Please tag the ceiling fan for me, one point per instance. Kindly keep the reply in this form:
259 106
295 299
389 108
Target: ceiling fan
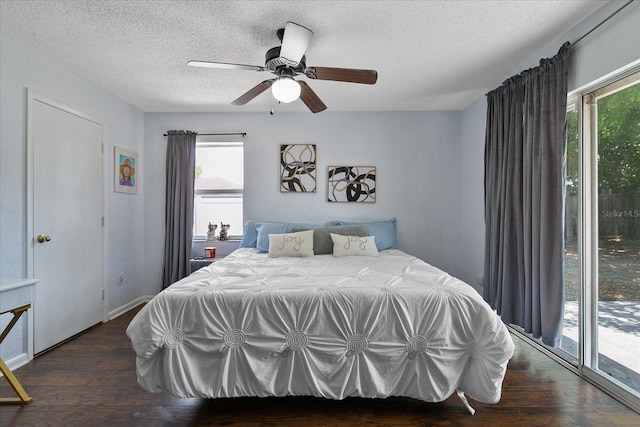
286 62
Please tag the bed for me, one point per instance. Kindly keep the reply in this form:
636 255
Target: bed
332 326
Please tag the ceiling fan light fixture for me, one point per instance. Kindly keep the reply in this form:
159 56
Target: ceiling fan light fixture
285 89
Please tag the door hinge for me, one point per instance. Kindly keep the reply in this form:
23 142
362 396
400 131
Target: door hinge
102 147
102 221
103 294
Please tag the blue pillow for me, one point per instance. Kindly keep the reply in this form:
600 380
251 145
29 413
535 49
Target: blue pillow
266 228
250 236
385 231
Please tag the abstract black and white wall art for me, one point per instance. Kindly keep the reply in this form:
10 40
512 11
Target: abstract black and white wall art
298 168
351 184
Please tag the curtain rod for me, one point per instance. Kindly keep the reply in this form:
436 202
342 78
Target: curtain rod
243 134
601 23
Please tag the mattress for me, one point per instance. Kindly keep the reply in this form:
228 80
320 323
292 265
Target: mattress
391 325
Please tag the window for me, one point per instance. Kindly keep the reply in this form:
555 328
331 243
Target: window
571 229
602 235
219 184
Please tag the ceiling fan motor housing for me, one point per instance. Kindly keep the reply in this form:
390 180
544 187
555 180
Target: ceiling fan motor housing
274 63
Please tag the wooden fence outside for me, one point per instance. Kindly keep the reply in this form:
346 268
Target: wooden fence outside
618 215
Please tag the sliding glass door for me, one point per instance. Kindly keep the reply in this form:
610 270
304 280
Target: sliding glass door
602 235
572 221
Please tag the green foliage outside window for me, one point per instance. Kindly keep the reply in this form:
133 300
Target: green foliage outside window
619 141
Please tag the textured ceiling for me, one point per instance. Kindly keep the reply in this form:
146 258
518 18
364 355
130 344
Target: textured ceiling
430 55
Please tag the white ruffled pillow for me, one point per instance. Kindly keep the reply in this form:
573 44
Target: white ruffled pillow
291 244
354 245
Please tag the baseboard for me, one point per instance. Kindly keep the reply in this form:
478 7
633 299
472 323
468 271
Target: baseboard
16 362
123 309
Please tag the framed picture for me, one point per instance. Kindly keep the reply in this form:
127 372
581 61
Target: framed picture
298 168
351 184
126 171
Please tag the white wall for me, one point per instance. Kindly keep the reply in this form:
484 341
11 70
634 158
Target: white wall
611 47
472 192
21 68
416 155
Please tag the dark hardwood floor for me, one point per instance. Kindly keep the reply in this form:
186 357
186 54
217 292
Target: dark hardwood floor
91 381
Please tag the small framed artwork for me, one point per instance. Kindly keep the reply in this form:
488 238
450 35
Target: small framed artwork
298 168
126 171
351 184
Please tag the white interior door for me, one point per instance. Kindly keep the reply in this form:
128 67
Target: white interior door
67 208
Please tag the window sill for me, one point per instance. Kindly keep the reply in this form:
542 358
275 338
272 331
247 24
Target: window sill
200 239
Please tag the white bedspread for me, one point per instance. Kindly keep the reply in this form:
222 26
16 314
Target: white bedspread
383 326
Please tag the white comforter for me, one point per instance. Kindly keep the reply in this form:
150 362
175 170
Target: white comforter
382 326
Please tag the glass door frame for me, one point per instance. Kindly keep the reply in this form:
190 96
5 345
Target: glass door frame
586 364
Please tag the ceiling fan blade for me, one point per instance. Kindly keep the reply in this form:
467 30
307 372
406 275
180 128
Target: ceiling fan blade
253 92
295 41
349 75
310 99
226 66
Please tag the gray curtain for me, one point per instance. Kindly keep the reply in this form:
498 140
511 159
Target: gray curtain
524 194
180 170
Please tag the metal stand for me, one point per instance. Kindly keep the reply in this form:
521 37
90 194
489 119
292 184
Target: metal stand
23 397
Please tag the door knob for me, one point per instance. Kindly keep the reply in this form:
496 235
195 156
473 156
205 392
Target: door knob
42 238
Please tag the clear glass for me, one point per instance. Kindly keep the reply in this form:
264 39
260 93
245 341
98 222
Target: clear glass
217 209
219 184
618 281
570 331
220 160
